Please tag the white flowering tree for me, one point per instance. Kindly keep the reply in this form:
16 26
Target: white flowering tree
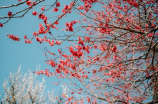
24 89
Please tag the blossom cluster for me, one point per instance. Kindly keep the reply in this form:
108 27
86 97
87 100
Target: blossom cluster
15 38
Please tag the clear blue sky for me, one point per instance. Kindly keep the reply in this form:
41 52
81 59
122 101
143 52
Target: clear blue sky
13 53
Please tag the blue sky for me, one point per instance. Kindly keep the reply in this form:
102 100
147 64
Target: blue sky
14 53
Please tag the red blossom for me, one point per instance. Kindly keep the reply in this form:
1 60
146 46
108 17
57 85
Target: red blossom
35 34
71 24
80 89
133 45
45 72
58 71
43 8
71 29
38 40
74 22
80 41
80 7
1 25
9 14
114 49
34 13
87 38
40 16
94 71
58 42
34 3
57 4
15 38
69 99
25 37
137 27
95 46
66 29
88 99
28 41
66 7
28 3
72 92
150 35
55 9
53 26
105 94
57 22
67 24
52 63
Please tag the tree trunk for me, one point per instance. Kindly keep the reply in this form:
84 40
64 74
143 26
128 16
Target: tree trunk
155 87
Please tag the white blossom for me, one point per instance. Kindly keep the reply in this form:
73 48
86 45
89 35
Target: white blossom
65 90
24 89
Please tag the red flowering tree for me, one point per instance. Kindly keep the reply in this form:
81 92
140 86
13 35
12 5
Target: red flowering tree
112 56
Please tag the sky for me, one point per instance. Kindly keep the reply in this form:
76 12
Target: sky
29 56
